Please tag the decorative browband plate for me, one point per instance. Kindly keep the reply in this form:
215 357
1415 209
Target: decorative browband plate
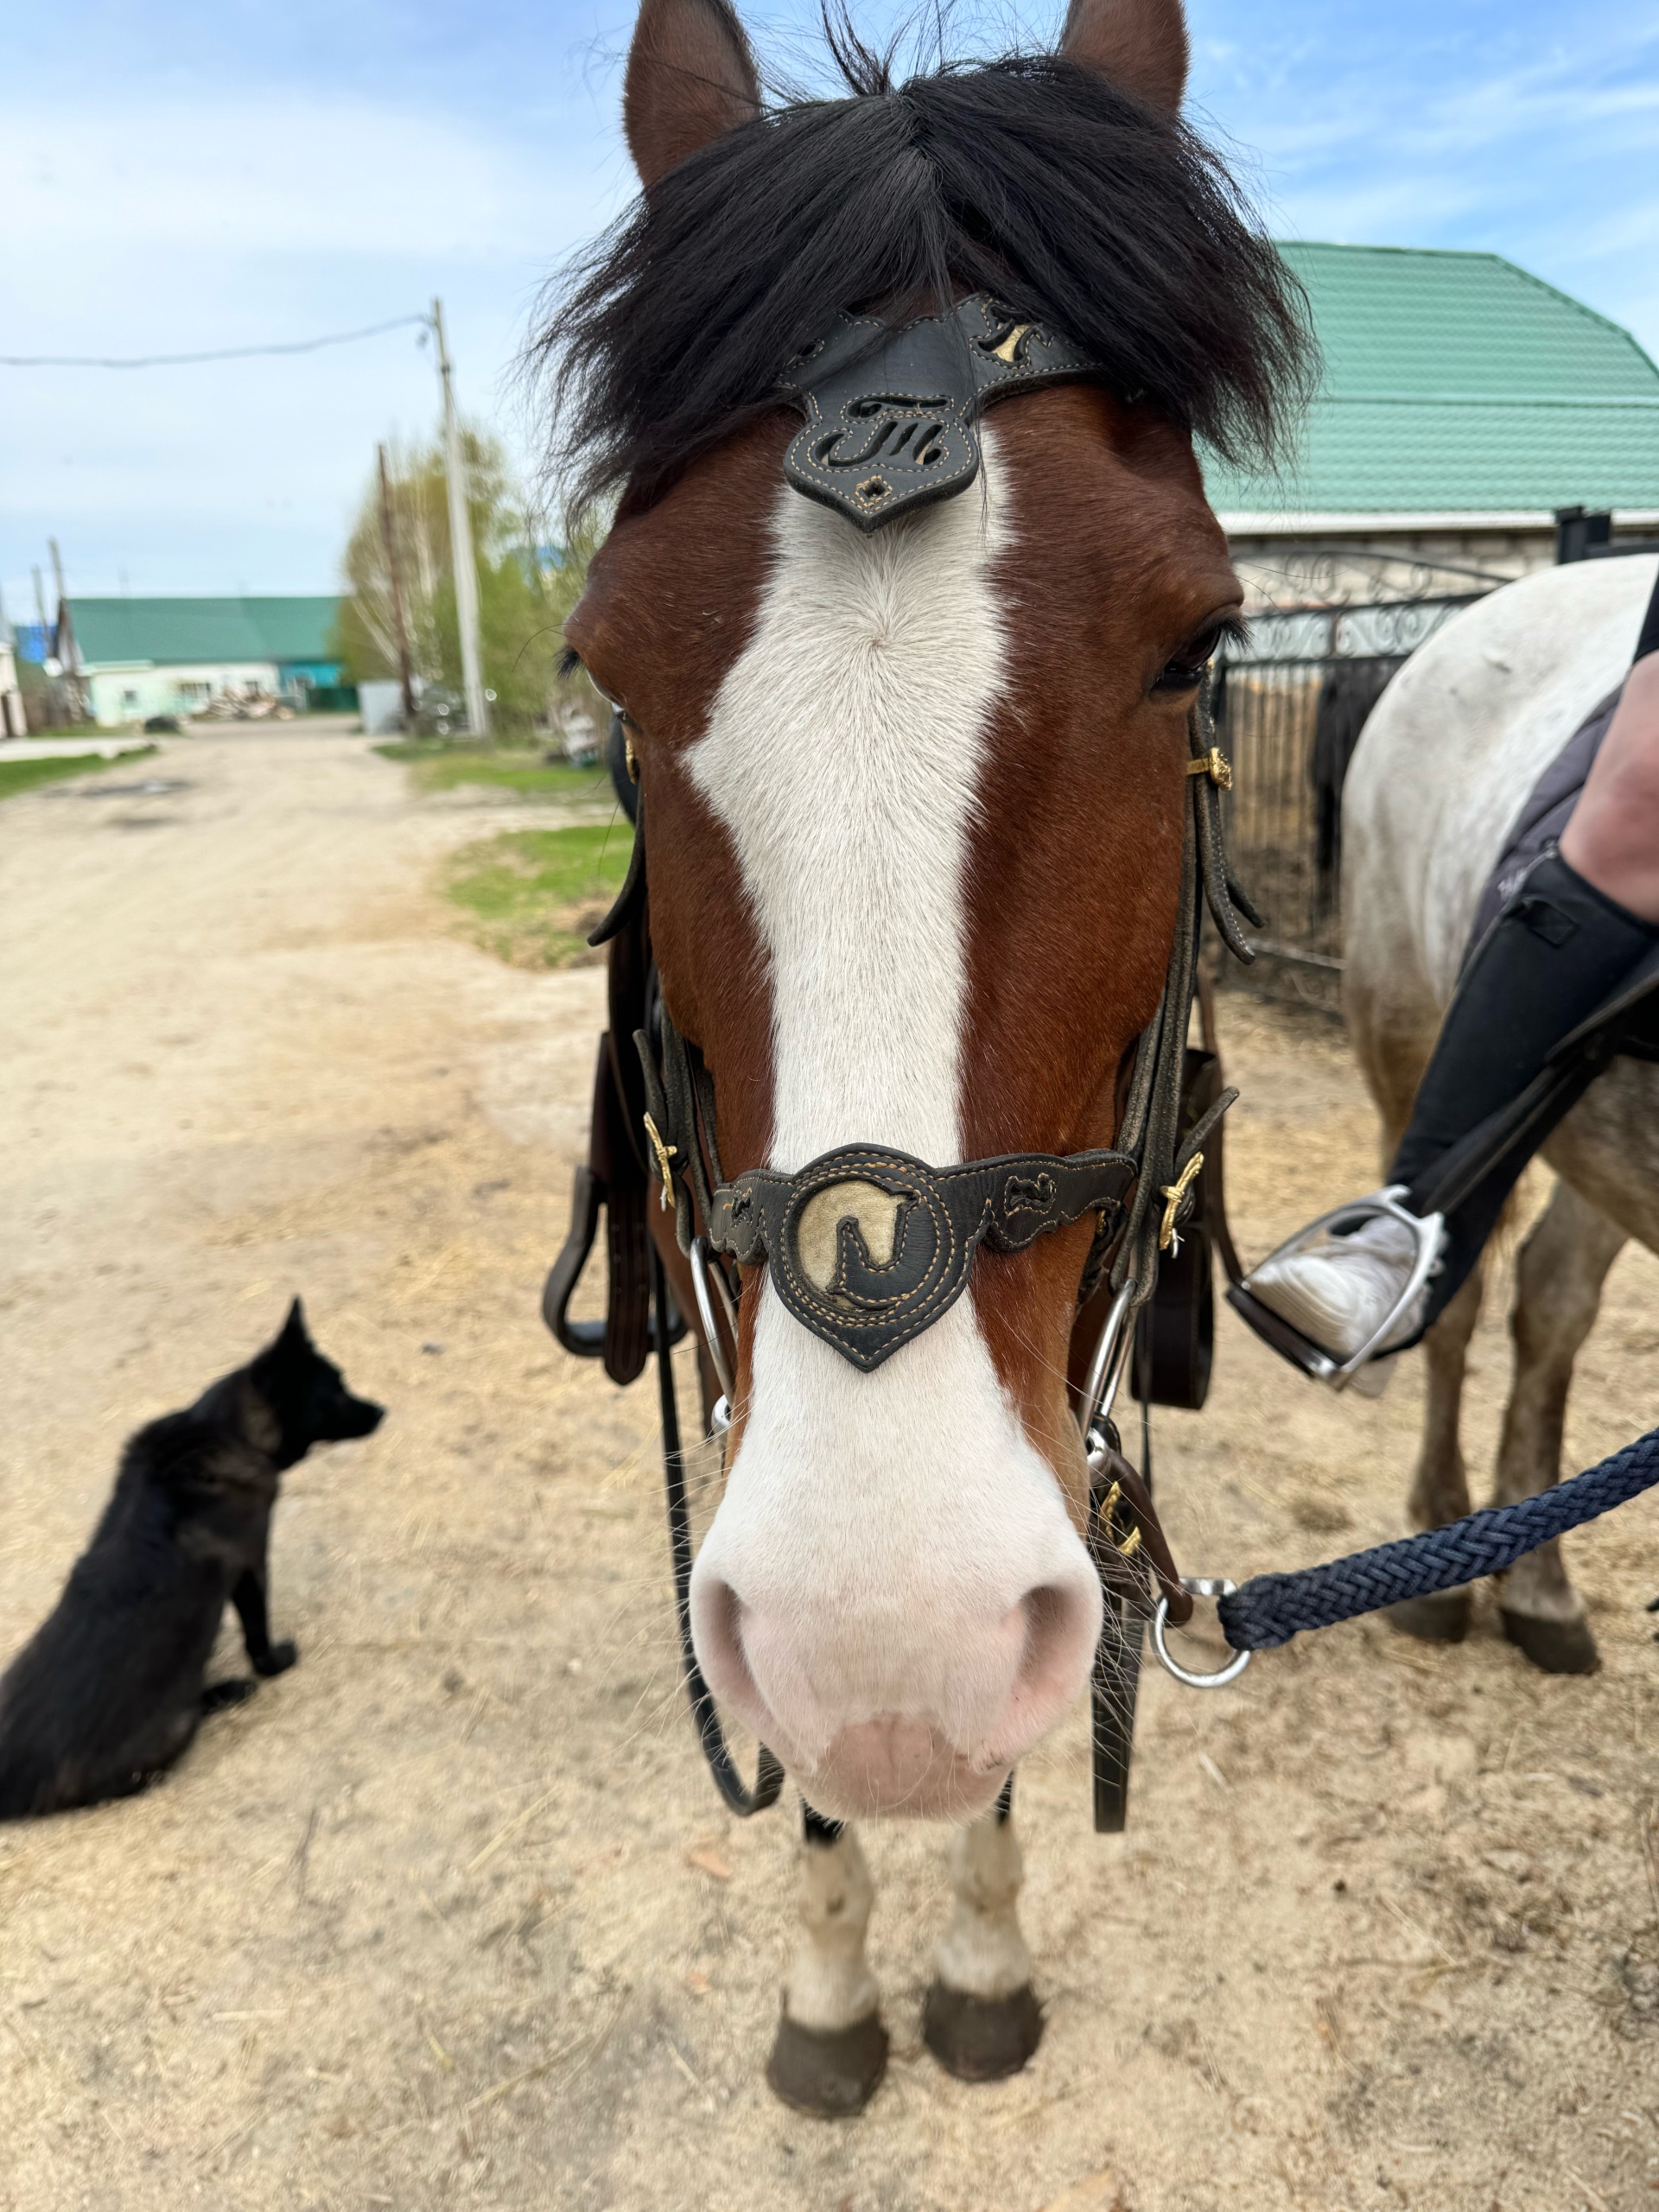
891 412
867 1246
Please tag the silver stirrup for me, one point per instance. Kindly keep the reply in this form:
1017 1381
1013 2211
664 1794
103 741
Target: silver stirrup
1427 1231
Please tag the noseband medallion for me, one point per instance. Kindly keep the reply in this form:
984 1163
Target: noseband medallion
890 414
869 1246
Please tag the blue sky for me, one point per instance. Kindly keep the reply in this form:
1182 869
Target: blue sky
185 175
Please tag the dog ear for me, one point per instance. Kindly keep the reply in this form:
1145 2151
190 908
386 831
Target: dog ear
1140 44
690 79
293 1339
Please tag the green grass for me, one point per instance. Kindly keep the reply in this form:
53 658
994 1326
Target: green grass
532 895
440 766
18 776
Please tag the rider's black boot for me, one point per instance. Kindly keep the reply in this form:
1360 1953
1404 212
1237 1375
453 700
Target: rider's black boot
1557 952
1371 1278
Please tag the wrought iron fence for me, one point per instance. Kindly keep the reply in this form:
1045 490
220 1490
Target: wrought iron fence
1290 704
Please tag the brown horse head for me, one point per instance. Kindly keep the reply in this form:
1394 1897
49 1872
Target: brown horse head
914 795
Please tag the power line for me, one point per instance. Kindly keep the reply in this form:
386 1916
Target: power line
185 360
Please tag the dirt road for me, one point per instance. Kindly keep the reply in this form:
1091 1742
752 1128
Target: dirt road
448 1914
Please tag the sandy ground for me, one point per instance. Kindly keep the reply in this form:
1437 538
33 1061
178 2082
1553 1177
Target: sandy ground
450 1914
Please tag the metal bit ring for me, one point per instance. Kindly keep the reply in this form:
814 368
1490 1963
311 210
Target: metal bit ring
1201 1585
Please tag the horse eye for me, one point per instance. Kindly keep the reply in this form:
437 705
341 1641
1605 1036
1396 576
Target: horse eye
1181 676
1185 671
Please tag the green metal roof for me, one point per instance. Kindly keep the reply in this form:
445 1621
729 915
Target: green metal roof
1456 382
194 630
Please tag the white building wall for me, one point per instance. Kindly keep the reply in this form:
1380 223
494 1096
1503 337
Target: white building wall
125 693
1286 561
12 720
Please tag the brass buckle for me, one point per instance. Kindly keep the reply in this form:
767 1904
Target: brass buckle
1174 1193
1215 764
664 1152
1131 1543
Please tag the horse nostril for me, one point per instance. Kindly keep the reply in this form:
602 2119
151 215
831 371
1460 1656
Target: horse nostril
716 1619
1062 1629
1054 1620
717 1636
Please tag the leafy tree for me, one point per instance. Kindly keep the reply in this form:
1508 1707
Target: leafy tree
523 600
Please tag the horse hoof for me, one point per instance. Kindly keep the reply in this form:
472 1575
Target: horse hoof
1443 1618
1556 1647
831 2073
981 2038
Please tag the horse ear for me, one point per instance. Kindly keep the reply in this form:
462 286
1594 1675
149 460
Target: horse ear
690 78
1140 44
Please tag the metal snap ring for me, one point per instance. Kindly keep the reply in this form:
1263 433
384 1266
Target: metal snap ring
1201 1585
704 1282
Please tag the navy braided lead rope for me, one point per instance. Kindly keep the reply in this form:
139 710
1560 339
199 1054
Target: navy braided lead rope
1272 1608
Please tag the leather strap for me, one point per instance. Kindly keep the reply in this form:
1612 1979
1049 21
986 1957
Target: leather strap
1175 1337
818 1228
1135 1547
612 1183
1125 1540
1215 1164
769 1775
1151 1126
891 412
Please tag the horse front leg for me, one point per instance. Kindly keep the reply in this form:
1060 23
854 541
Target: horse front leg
1439 1490
831 2049
981 2019
1558 1282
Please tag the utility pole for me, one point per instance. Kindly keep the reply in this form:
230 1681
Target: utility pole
461 543
48 654
404 675
71 665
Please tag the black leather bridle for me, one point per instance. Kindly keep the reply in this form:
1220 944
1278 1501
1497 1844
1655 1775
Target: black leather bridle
891 418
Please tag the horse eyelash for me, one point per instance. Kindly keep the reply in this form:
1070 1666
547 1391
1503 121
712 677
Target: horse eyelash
571 662
1233 630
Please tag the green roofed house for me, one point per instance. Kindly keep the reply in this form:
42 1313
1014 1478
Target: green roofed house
135 657
1463 404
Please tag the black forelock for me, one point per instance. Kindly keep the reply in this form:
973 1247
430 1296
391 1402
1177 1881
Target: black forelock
1029 177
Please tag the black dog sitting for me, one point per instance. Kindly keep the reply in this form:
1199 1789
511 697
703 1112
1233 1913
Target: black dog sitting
112 1686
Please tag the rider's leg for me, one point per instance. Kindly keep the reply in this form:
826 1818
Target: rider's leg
1558 949
1612 838
1562 945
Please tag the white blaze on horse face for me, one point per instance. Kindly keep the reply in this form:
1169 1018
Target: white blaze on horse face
892 1591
